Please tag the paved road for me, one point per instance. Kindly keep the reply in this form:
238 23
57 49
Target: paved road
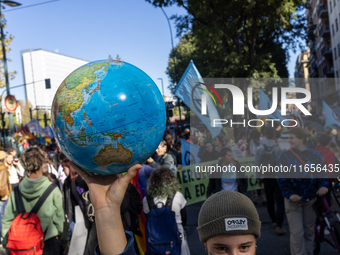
268 244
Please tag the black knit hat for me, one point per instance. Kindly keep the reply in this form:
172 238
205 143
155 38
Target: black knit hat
228 213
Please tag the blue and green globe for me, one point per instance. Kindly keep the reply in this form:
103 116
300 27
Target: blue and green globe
107 116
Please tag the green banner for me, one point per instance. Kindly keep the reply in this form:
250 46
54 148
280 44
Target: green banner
193 185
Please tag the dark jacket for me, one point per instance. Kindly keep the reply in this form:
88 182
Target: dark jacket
207 156
304 184
129 250
76 193
215 181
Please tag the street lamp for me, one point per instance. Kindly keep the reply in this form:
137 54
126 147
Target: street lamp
162 84
172 44
12 4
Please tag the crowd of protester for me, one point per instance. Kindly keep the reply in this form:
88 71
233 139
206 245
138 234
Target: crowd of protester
68 210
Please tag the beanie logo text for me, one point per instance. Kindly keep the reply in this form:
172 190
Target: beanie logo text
236 224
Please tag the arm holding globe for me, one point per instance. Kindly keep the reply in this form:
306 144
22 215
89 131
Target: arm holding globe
107 193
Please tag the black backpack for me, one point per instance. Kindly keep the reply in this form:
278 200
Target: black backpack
268 156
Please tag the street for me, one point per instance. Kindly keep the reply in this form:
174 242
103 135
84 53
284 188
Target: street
269 243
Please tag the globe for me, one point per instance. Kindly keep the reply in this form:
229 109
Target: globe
107 116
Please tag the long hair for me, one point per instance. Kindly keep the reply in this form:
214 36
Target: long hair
5 187
162 183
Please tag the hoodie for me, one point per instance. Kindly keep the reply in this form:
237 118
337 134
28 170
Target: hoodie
51 213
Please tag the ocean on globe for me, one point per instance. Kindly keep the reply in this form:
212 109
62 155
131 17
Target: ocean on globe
107 116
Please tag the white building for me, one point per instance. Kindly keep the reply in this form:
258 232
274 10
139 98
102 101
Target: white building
38 65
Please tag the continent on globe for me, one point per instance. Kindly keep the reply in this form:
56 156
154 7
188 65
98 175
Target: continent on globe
110 155
114 136
70 91
107 115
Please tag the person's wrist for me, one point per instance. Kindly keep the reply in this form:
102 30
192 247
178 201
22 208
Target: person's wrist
106 210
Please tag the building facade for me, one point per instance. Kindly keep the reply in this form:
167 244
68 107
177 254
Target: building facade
43 72
301 73
321 30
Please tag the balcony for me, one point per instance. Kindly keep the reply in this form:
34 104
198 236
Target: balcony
313 64
314 74
326 51
323 11
312 48
328 72
324 31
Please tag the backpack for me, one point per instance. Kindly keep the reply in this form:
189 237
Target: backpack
268 156
25 237
162 235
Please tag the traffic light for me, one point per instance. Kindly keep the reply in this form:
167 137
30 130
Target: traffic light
47 83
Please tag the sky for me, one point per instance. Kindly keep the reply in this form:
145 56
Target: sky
93 30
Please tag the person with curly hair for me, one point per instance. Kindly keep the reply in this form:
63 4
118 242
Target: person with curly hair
161 186
31 188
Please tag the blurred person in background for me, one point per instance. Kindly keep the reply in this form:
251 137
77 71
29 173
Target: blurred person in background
12 152
208 137
23 145
163 185
171 142
167 159
227 180
311 130
75 193
240 148
254 141
207 152
15 169
5 187
218 142
51 213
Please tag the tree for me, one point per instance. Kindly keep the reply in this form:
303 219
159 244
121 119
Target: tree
8 41
237 38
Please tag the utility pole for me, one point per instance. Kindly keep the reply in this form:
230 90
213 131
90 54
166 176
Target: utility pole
176 81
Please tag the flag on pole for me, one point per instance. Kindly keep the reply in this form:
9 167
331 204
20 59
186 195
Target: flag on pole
190 91
265 104
189 153
330 116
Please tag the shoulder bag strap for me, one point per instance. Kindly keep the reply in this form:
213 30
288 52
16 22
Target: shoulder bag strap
43 198
18 200
169 201
298 157
151 203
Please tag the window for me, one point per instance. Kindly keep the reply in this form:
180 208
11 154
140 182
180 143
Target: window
339 49
333 30
334 53
336 25
334 3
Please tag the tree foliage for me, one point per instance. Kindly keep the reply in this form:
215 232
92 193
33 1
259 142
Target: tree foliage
8 41
235 38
